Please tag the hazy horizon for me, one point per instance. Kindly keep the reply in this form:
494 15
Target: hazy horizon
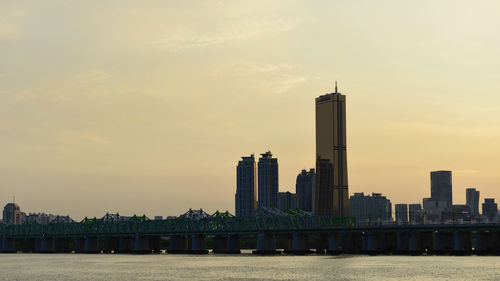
146 107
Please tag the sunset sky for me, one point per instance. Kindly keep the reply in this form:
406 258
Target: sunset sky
146 106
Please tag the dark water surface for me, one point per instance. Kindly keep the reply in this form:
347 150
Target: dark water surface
244 267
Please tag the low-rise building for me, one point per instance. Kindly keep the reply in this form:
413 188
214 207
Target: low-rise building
368 209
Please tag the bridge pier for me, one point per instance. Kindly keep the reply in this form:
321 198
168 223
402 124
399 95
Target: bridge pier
299 244
198 244
462 244
233 245
178 245
91 245
79 245
8 245
371 243
141 245
125 245
333 244
401 243
266 244
47 245
220 244
28 245
443 242
484 243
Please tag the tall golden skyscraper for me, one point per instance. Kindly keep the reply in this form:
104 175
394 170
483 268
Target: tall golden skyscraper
331 192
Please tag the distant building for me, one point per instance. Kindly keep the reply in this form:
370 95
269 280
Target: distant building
370 208
287 200
245 187
490 209
304 189
158 218
12 214
457 213
401 213
268 181
472 200
331 192
433 209
415 213
43 218
441 186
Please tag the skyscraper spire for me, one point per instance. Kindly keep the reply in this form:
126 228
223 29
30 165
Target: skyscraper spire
335 87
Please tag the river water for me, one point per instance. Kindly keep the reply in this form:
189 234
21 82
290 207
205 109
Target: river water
244 267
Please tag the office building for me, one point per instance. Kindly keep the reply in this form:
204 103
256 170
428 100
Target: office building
12 214
304 188
401 213
441 186
457 213
245 187
490 209
268 181
287 200
331 192
370 209
415 213
472 200
433 209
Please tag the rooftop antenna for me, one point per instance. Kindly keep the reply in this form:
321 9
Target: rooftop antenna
335 87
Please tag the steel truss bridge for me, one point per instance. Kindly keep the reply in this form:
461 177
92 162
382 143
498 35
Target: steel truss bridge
188 234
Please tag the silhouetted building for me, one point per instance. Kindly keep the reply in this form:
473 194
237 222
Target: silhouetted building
401 213
245 187
415 213
287 200
304 190
441 186
268 181
433 209
472 200
43 218
331 193
370 208
12 214
490 208
457 213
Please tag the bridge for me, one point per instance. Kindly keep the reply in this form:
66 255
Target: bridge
189 234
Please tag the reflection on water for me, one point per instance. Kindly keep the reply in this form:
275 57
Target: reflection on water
244 267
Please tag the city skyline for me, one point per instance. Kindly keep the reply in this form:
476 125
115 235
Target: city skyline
104 115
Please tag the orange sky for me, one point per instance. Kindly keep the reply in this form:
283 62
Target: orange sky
147 107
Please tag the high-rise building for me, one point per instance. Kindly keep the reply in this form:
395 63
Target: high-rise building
370 208
472 200
304 190
245 187
287 200
490 208
401 213
441 187
268 181
331 192
12 214
415 213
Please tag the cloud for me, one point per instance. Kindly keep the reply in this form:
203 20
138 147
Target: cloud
84 85
288 83
182 38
